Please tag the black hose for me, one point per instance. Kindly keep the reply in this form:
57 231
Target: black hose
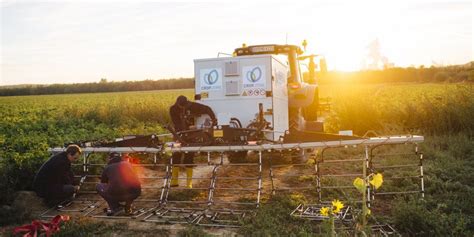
233 119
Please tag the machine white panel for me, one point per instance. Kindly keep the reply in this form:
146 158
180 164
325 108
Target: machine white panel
251 81
280 98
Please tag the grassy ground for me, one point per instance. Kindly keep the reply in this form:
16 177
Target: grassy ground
441 112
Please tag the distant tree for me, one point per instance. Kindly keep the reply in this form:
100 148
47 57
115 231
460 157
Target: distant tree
454 73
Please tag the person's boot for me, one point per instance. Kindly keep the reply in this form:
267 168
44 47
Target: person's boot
174 177
189 177
128 208
114 211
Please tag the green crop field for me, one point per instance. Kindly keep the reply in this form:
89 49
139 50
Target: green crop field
443 113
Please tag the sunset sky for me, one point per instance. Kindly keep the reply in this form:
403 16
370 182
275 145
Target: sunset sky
67 42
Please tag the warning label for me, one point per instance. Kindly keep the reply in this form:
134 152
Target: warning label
260 92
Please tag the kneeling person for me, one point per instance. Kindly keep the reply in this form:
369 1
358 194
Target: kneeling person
55 180
119 183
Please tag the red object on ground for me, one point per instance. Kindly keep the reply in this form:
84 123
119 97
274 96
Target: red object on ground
37 227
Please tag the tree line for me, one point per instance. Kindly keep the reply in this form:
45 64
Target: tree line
95 87
458 73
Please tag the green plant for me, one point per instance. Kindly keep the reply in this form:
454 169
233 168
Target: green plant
192 231
83 226
273 219
361 184
415 217
331 212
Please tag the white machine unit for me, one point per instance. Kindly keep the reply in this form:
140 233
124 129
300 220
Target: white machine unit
235 86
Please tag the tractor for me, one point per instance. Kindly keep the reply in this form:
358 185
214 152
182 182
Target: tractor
259 96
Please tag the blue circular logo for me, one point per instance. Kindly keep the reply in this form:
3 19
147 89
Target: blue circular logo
211 77
254 75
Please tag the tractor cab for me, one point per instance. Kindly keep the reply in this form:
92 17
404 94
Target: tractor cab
291 51
294 54
303 92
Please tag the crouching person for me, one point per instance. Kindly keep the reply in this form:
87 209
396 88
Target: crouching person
119 183
54 181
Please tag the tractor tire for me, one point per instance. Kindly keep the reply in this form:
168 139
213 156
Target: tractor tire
310 113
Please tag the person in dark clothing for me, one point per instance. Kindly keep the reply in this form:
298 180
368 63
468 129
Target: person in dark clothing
183 112
182 115
119 183
55 179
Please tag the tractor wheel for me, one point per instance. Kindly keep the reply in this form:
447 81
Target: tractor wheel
310 113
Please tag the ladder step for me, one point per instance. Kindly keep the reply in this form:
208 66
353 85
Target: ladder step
244 189
338 161
184 188
341 175
402 177
394 193
336 187
395 166
397 154
242 164
238 203
294 188
301 164
293 175
237 178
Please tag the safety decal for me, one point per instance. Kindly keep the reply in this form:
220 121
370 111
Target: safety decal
254 92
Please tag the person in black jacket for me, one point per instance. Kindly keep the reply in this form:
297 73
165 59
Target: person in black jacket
119 183
55 179
182 115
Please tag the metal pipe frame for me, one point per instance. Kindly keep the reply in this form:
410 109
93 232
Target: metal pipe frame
173 147
166 212
164 208
369 167
419 164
